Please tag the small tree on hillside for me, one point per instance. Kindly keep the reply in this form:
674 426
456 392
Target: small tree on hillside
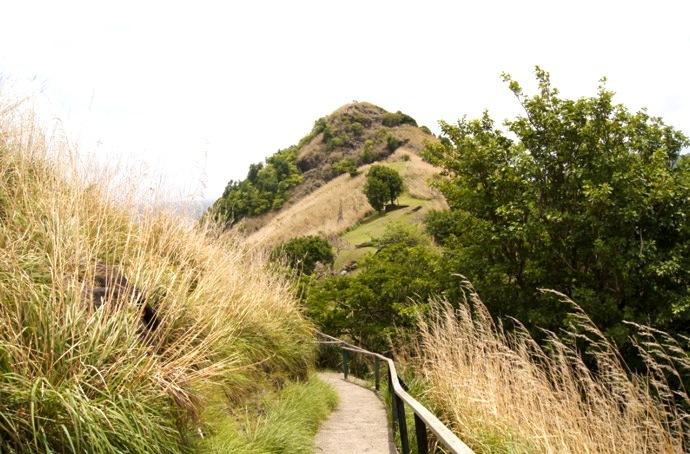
303 253
383 185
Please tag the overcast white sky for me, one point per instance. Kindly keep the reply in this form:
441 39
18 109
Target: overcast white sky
200 89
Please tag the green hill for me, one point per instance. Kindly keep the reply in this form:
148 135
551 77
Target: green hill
354 135
322 193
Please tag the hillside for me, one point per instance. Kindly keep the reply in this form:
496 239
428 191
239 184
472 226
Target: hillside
354 135
339 210
109 333
332 162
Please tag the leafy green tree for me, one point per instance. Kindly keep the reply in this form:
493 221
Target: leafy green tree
390 289
582 196
303 253
383 185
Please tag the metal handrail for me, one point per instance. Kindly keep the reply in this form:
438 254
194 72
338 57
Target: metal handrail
423 417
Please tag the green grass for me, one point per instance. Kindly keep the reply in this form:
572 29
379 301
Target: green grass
282 422
352 255
375 225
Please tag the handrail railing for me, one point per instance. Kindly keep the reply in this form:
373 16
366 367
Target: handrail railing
423 418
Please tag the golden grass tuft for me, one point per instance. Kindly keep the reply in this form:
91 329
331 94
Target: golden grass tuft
503 392
75 378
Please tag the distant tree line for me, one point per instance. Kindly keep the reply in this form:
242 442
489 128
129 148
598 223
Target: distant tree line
266 188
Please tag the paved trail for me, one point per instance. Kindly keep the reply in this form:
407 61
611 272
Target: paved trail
358 425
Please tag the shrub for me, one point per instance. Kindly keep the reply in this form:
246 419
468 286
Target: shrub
303 253
356 128
367 156
391 119
581 195
376 303
346 165
392 143
338 141
266 188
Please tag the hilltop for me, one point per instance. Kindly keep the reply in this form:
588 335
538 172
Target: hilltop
361 132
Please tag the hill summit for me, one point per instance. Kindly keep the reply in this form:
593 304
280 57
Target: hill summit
354 135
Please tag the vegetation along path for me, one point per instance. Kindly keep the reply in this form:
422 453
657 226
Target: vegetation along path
358 425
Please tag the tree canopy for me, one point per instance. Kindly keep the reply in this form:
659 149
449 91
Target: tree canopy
266 188
383 185
388 292
581 196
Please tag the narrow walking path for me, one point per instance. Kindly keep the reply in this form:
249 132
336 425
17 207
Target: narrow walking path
358 425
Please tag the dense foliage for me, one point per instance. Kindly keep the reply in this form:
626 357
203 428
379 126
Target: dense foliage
383 185
347 165
392 119
581 196
385 295
303 253
266 188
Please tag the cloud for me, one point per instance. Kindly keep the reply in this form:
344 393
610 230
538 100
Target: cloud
176 84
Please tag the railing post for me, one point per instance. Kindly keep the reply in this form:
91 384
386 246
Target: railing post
394 409
377 377
402 424
420 432
346 365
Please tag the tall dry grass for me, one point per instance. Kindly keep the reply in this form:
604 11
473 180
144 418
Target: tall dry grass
501 391
75 378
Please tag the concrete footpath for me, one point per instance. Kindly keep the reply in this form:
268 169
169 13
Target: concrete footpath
358 425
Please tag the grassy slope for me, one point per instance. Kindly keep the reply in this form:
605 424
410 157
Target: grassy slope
284 421
77 379
319 212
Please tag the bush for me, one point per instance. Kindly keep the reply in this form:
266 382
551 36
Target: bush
346 165
367 156
356 128
376 303
391 119
303 253
266 188
337 141
582 196
392 143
